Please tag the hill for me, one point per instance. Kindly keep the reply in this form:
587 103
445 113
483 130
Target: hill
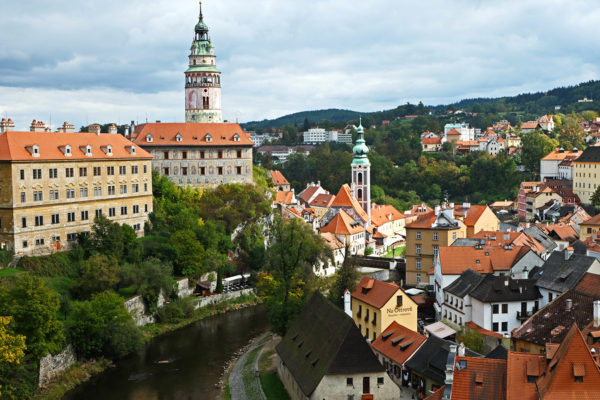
522 107
317 116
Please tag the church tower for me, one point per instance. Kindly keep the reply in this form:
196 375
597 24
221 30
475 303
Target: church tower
361 173
202 79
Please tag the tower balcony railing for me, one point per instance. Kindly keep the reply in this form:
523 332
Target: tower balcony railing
202 84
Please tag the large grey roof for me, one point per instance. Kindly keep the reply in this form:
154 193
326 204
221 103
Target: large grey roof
591 154
560 275
324 340
538 234
503 288
466 282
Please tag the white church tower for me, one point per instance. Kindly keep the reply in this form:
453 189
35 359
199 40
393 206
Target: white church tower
202 79
361 173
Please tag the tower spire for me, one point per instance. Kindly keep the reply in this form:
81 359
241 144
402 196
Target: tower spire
200 16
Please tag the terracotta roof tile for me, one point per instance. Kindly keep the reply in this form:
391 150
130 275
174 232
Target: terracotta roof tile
192 134
518 366
51 145
381 215
398 351
469 214
343 224
557 155
433 140
308 193
278 178
455 260
323 200
284 196
332 241
424 221
378 295
344 199
479 378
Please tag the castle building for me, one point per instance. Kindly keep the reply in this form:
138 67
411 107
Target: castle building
202 79
53 185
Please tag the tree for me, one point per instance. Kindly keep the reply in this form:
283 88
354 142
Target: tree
107 237
98 274
190 253
148 279
346 279
12 347
595 199
571 135
33 307
535 147
102 325
292 252
219 288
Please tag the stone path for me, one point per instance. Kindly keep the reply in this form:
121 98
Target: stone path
236 377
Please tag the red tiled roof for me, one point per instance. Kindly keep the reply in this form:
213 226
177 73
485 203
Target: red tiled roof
437 395
424 221
192 134
519 365
529 125
399 351
433 140
18 146
481 378
344 199
589 285
563 231
453 132
469 214
381 215
595 220
332 241
323 200
495 238
343 224
278 178
379 293
284 196
456 260
307 193
483 331
557 155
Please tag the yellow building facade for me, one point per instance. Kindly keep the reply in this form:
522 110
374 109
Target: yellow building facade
53 185
424 237
586 174
376 304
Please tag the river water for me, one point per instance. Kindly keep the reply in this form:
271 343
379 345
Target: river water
185 364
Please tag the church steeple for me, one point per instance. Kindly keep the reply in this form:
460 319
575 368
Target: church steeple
202 78
361 171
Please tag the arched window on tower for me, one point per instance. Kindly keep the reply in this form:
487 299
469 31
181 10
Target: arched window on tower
205 104
360 178
359 194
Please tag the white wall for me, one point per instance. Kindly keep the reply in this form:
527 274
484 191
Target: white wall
482 315
334 387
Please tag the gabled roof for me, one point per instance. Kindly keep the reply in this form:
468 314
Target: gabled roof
503 288
323 200
479 378
560 275
423 221
589 155
321 341
485 260
375 292
398 342
463 285
571 359
453 132
496 238
343 224
558 155
541 237
561 231
309 192
432 140
381 215
344 199
284 196
595 220
191 134
19 146
278 178
332 241
529 125
519 366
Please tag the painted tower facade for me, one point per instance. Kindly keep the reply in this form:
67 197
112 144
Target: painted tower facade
361 173
202 79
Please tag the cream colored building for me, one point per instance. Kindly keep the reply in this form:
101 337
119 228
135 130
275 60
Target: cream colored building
54 184
376 304
198 155
586 174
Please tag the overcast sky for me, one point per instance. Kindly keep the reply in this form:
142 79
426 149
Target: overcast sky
119 60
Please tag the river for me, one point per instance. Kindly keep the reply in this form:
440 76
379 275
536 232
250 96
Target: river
195 357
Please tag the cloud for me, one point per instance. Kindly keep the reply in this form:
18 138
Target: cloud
119 60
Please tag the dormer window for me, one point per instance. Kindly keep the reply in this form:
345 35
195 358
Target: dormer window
66 150
236 138
178 137
34 150
149 138
88 150
208 138
107 150
130 149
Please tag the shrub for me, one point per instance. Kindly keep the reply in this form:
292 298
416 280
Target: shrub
175 312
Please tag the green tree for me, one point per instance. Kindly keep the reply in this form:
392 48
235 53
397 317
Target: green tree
98 274
346 278
595 199
571 135
535 147
12 347
292 252
102 326
107 237
149 278
190 253
33 307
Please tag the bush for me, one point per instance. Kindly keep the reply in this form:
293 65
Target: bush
6 257
175 312
58 264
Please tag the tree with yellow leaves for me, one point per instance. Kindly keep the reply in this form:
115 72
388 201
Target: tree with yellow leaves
12 347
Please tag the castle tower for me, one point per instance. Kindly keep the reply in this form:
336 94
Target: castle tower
202 79
361 173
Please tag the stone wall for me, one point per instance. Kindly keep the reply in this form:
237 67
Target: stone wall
51 366
219 298
136 307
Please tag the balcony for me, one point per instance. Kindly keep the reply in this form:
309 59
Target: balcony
522 316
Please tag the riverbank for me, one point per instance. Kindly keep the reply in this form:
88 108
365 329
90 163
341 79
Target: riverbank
81 372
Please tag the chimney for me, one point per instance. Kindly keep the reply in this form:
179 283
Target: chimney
6 125
37 126
461 349
347 303
449 372
452 205
126 131
506 236
568 305
596 313
437 210
568 253
94 128
112 129
466 205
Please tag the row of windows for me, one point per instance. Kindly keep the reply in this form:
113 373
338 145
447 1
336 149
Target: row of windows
193 171
167 155
71 237
38 220
38 195
436 236
495 326
496 308
452 317
83 171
